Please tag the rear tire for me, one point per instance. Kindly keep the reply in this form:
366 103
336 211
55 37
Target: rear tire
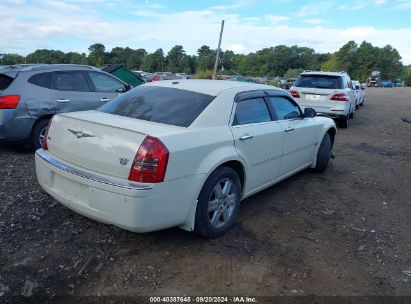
324 154
352 113
343 123
218 203
38 132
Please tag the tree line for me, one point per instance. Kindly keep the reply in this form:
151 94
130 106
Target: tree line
280 60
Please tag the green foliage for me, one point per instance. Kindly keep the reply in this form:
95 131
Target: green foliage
7 59
46 56
357 60
97 54
205 58
203 74
407 76
293 73
177 60
76 58
154 62
331 64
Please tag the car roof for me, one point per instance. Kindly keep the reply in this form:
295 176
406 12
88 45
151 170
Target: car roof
342 73
37 67
210 87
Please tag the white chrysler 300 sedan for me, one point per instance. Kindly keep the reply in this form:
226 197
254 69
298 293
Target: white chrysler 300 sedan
180 153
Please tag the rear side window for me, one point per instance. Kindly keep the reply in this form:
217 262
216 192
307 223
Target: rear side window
41 80
284 108
319 82
163 105
251 111
105 83
70 81
5 81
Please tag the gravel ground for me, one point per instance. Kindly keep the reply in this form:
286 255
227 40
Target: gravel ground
345 232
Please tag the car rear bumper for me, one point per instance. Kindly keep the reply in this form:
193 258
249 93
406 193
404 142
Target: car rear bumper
340 110
132 206
14 130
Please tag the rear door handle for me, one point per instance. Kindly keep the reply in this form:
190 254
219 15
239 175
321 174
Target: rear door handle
288 130
245 137
63 100
105 99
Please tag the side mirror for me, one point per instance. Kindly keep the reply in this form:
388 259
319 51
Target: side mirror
309 112
123 89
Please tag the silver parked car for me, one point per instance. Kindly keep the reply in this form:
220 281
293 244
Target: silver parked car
31 94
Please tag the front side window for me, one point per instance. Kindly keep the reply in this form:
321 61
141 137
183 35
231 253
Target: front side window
105 83
70 81
159 104
284 108
251 111
41 80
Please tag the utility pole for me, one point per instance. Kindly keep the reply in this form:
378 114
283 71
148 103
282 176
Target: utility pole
218 50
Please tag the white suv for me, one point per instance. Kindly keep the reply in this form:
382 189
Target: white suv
329 93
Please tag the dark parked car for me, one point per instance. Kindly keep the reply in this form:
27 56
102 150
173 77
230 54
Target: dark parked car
31 94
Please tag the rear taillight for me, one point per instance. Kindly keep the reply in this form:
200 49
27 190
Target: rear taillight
9 101
294 94
150 163
340 97
44 140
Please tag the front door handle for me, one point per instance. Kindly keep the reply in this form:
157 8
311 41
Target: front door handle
288 130
245 137
104 99
63 100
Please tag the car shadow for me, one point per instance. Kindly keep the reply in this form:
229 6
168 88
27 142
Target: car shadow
15 149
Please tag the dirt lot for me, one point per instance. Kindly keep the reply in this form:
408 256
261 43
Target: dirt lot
344 232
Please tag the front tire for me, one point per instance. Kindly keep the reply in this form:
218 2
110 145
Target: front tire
218 203
38 132
324 154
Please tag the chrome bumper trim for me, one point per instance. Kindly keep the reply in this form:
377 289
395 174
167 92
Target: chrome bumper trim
78 172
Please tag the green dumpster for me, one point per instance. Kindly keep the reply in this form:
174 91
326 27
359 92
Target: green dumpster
118 70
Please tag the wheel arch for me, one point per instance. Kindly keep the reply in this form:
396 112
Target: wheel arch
35 124
331 130
237 165
43 117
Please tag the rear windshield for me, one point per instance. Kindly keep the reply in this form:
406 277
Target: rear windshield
164 105
5 81
319 82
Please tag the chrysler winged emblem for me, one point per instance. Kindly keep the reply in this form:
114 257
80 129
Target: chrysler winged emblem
80 134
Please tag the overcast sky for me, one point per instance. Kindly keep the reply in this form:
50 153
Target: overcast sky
72 25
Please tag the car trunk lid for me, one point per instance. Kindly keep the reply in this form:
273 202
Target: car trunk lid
100 142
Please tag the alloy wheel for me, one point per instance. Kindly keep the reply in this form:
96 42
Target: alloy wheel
222 203
42 135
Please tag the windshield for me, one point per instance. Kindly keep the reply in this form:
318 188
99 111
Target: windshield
319 82
158 104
